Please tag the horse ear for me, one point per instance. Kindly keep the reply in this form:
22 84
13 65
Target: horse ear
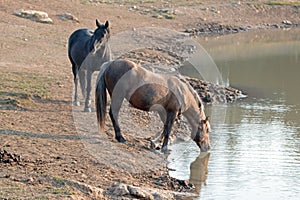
207 118
98 24
106 24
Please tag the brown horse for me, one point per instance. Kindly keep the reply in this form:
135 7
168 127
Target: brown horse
145 90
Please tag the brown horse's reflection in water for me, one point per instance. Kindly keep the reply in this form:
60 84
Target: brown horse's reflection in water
169 95
199 171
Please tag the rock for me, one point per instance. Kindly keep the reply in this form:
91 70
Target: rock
287 22
275 26
34 15
91 191
6 157
139 193
67 16
122 190
118 189
30 180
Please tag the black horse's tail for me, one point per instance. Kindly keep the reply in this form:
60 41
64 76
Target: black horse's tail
101 96
74 67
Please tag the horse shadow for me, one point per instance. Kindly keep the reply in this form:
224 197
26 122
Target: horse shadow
46 136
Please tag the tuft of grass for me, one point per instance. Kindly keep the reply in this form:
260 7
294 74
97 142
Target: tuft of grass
169 16
58 181
41 198
281 3
118 1
61 191
60 187
26 85
145 2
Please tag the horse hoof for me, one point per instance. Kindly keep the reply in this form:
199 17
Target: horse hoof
165 150
87 110
76 103
154 146
122 140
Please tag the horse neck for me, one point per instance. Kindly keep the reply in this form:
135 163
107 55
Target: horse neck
104 51
91 43
192 90
194 115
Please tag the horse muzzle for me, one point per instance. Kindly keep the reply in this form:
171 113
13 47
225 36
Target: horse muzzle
205 148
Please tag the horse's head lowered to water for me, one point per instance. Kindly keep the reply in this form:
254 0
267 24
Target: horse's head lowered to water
202 135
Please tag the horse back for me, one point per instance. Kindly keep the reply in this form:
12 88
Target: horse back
142 88
78 45
116 71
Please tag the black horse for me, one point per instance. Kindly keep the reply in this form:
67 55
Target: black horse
87 51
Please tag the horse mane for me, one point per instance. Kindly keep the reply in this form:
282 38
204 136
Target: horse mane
192 90
103 68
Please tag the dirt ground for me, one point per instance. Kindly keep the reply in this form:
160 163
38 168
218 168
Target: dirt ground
43 154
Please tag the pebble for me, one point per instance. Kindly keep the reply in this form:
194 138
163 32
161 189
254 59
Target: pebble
74 162
287 22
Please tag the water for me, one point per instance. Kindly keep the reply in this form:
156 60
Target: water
256 141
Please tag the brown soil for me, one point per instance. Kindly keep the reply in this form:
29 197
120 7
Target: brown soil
42 153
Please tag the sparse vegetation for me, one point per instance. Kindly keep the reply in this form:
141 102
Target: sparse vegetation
18 88
119 1
61 191
281 3
58 181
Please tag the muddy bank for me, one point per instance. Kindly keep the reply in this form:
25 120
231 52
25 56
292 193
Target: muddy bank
215 28
213 93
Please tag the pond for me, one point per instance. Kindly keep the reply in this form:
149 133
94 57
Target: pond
255 141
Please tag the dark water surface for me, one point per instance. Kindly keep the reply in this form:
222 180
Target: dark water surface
256 141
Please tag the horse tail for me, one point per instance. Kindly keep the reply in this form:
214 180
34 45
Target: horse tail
74 66
101 96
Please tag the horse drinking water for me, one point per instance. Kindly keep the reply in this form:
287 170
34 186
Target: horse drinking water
145 90
87 51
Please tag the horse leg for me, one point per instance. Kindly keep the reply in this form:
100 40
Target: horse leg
82 81
153 143
87 107
75 73
114 113
167 129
